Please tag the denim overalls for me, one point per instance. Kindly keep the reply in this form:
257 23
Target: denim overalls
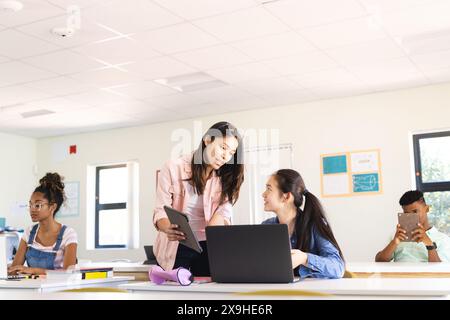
40 259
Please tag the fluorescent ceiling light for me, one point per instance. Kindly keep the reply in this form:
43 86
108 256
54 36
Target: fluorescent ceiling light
191 82
425 42
10 6
36 113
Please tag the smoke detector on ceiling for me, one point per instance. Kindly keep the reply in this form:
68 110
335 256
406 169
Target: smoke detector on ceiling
64 32
10 6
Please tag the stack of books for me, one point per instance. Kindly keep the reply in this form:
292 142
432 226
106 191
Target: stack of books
79 274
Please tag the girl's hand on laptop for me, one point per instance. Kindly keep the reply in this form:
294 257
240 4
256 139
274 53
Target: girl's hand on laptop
298 258
173 234
15 270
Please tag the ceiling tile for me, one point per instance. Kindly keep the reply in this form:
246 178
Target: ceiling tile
213 57
438 75
365 53
301 63
3 59
17 72
340 91
226 107
144 90
118 50
104 78
242 25
178 102
418 19
225 93
386 71
156 116
127 17
57 105
98 98
268 86
157 68
381 6
343 33
64 62
435 60
402 81
243 72
17 45
88 32
288 97
177 38
32 10
274 46
307 13
330 77
79 3
19 94
202 8
60 86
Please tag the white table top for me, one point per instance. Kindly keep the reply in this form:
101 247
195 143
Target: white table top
182 296
51 285
119 266
400 267
353 286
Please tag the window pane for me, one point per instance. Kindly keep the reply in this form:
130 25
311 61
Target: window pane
112 227
439 215
113 185
435 159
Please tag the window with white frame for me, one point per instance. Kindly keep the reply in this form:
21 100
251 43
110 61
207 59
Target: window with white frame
116 206
432 171
260 163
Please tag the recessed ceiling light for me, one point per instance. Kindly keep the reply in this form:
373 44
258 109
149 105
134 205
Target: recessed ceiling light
425 42
36 113
10 6
191 82
266 1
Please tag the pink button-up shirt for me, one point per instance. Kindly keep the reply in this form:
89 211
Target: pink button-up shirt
171 191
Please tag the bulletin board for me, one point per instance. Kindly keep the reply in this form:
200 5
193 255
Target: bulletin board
72 206
351 173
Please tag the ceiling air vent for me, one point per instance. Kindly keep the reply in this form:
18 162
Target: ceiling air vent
36 113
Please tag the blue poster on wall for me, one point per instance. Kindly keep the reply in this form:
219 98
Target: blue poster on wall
335 164
366 182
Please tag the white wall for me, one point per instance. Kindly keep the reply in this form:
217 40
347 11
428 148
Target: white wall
361 224
17 165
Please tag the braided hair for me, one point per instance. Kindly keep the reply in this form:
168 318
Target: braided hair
52 187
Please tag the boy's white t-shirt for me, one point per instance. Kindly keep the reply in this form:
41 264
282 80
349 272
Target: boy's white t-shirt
69 236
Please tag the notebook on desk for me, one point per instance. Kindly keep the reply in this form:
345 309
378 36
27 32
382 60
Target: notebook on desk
250 254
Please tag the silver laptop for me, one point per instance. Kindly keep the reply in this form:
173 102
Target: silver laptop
4 261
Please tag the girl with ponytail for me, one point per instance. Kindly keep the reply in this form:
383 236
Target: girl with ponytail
48 244
315 251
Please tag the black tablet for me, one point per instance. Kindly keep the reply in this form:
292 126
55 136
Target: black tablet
182 221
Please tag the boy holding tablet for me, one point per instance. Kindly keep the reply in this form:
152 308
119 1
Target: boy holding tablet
427 245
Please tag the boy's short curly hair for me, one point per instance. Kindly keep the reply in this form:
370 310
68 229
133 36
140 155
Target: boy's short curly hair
411 197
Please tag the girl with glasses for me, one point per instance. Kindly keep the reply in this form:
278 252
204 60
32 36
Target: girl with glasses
47 244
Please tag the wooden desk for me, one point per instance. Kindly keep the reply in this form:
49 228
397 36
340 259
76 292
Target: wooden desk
399 269
420 287
45 285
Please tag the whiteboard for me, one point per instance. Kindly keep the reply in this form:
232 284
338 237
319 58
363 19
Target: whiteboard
260 163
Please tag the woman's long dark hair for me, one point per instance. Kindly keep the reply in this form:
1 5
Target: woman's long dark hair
313 216
52 187
231 173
